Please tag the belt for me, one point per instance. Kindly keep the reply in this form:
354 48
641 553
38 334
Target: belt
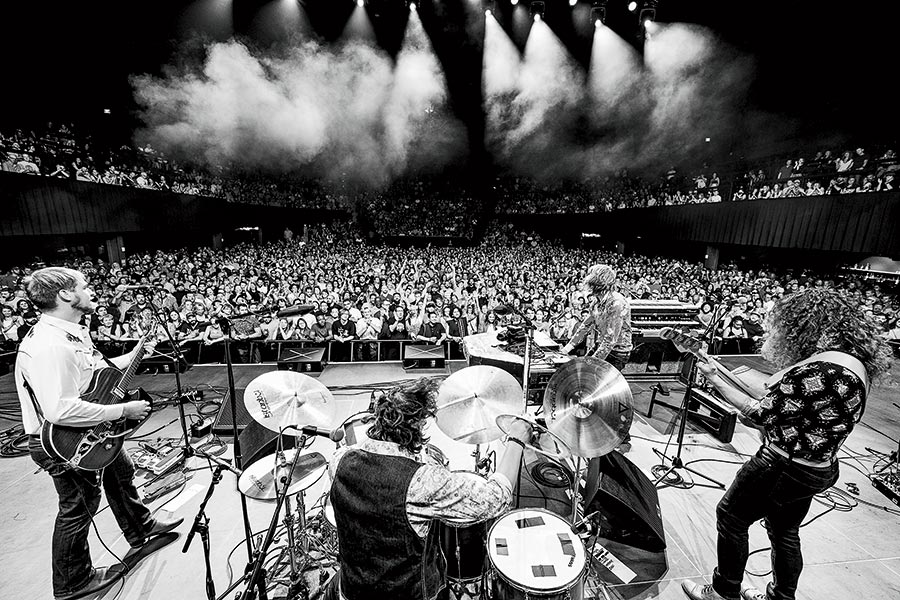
799 461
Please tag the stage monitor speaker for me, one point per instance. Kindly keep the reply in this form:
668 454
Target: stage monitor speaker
258 442
628 505
424 356
303 360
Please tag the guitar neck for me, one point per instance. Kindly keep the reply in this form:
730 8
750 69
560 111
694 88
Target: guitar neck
128 375
730 377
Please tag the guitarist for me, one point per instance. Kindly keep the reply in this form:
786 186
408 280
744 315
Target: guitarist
828 351
54 367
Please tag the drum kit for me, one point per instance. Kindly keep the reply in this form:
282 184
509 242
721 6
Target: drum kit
526 552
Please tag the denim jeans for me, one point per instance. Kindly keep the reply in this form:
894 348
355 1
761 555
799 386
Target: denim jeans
773 488
79 499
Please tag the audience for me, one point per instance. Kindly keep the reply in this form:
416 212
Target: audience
374 291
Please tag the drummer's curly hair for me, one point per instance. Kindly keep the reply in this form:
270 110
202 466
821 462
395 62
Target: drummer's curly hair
400 413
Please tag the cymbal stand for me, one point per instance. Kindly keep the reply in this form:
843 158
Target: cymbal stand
485 465
255 579
576 495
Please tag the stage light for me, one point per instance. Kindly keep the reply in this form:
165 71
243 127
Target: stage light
489 7
537 10
648 12
360 3
573 2
514 2
598 12
412 6
632 6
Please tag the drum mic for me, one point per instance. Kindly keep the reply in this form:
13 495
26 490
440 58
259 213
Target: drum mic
577 525
335 435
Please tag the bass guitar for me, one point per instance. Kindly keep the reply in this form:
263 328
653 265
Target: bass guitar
694 345
92 448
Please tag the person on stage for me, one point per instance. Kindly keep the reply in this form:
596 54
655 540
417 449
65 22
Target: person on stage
387 496
827 351
609 321
54 367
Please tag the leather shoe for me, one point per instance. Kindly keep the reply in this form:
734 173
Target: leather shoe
696 591
101 578
159 527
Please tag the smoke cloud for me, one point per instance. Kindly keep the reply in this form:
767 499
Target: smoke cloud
544 120
348 113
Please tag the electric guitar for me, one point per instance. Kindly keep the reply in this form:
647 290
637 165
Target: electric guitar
694 345
92 448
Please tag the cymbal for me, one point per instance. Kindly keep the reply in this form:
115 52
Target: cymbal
469 401
282 399
258 480
588 405
542 441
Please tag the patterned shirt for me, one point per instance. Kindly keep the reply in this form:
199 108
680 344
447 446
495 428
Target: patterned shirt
610 322
435 492
812 410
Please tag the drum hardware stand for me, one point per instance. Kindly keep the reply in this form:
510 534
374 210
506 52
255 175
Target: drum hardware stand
252 555
486 465
256 577
676 461
201 526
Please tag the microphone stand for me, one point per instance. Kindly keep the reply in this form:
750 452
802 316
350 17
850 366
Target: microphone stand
676 461
201 526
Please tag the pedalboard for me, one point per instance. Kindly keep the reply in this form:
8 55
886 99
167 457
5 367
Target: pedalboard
889 485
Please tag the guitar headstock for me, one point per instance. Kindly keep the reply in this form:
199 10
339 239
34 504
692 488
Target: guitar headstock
683 341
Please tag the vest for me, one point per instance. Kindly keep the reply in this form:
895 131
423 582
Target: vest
382 557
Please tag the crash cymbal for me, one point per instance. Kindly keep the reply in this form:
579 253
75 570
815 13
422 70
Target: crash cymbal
258 480
281 399
588 405
542 441
469 401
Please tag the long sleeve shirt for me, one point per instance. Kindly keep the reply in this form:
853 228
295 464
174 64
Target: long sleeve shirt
435 492
58 359
609 325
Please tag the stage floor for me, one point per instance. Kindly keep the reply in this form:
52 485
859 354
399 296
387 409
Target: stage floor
847 554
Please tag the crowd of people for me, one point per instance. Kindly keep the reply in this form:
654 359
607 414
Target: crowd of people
453 208
354 290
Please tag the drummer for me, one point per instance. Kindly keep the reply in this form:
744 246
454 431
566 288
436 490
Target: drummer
386 501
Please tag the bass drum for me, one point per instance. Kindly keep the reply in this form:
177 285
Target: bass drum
535 554
463 544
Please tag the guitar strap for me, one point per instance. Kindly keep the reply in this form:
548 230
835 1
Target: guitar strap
34 402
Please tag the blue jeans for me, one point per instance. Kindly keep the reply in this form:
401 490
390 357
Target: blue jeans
773 488
79 499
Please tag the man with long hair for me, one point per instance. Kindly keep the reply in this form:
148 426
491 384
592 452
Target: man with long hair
609 320
827 351
387 496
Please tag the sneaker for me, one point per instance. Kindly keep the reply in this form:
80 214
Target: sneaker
695 591
749 592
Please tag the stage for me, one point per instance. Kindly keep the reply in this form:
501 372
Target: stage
853 553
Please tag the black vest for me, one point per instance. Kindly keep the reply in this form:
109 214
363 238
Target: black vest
382 557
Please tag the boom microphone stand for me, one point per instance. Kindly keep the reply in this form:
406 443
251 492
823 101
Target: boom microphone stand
676 461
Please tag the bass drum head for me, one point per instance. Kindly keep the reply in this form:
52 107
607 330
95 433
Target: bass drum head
536 551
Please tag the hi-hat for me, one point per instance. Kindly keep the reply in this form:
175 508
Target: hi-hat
281 399
470 400
259 479
588 405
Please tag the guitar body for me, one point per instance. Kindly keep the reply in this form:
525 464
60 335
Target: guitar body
94 447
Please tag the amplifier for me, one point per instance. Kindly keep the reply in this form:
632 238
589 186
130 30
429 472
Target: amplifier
705 410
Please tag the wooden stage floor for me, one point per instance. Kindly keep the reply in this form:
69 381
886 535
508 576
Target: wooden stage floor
847 554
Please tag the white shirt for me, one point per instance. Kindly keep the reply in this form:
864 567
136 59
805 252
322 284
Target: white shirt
58 359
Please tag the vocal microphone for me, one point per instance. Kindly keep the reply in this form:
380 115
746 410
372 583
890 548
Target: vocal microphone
292 311
125 288
335 435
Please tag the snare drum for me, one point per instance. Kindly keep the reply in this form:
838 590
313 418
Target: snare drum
355 427
463 545
535 554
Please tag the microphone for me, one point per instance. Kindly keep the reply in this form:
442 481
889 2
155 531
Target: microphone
292 311
125 288
335 435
